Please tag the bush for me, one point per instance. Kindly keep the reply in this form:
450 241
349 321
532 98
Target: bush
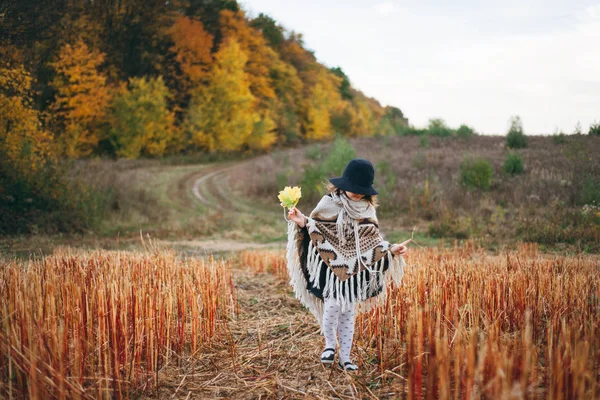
465 131
437 127
315 175
559 138
51 203
424 142
513 165
516 139
590 193
410 131
339 155
314 152
476 173
594 129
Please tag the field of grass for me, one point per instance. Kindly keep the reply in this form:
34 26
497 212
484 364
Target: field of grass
555 201
465 323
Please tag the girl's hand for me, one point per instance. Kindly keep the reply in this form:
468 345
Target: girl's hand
398 250
295 215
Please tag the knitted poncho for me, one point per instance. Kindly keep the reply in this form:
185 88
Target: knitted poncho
341 254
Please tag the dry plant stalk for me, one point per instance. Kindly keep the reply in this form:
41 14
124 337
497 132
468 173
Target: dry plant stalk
469 324
101 324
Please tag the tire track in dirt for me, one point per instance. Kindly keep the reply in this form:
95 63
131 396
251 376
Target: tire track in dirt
210 187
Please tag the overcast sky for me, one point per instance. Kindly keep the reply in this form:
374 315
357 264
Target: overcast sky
465 61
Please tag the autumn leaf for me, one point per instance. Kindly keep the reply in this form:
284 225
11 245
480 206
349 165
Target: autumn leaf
290 196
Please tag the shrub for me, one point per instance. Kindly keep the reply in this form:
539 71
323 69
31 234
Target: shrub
339 155
476 173
424 142
594 129
559 138
513 165
437 127
410 131
516 139
314 152
590 193
465 131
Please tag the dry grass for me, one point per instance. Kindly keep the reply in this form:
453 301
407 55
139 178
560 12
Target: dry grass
470 324
421 186
102 324
465 324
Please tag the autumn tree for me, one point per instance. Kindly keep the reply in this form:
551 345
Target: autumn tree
345 88
141 123
81 98
191 51
235 26
263 66
222 115
324 98
24 144
286 106
26 149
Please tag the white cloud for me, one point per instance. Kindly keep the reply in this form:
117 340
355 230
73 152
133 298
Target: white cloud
385 7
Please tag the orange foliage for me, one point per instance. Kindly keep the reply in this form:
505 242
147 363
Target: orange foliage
82 98
252 42
192 47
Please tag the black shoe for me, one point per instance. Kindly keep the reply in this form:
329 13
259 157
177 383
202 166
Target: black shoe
348 366
327 356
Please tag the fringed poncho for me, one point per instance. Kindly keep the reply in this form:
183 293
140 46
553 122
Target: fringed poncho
341 254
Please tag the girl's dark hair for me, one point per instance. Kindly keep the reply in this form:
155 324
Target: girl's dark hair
331 188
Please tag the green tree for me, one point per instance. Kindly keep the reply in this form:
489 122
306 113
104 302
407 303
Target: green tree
515 138
141 123
594 129
222 116
345 88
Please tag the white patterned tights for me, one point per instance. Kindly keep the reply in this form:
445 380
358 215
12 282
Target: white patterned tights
334 318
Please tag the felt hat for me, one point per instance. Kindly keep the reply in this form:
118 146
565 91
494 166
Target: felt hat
357 178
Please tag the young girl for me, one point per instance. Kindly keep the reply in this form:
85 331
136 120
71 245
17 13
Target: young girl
337 259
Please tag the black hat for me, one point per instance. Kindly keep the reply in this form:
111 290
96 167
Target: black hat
357 178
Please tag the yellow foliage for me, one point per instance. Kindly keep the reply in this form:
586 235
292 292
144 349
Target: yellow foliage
290 196
222 114
264 132
24 144
82 98
325 98
252 43
141 123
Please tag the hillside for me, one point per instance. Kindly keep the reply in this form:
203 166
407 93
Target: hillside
150 79
554 201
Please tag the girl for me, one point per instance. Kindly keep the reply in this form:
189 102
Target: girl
337 259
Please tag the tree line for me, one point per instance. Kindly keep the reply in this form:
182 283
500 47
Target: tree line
150 78
135 78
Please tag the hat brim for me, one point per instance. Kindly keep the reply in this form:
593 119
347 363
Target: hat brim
345 184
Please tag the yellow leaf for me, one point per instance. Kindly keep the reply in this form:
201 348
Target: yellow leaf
290 196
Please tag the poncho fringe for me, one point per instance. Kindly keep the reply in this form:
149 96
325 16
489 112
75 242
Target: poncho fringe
371 288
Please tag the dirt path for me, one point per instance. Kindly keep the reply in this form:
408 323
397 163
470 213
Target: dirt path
273 352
